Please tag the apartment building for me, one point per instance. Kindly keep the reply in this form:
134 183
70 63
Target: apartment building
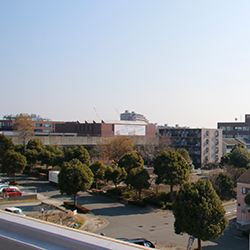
236 129
203 145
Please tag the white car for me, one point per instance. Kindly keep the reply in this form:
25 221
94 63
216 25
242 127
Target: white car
15 210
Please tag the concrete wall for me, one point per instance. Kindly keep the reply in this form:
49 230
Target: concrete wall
18 232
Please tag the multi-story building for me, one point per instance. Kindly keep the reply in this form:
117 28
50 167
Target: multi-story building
108 128
203 145
127 116
236 129
40 125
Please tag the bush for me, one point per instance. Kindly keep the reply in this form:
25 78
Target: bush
154 201
78 207
164 196
113 191
137 203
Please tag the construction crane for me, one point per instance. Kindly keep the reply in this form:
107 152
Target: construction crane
117 113
97 114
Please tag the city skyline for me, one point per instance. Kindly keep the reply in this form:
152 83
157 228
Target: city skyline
174 62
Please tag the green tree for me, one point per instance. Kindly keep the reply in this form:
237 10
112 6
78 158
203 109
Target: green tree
130 160
74 177
32 156
114 148
116 175
24 127
19 148
98 169
224 183
57 155
5 144
138 178
199 212
171 169
77 152
35 144
239 157
247 198
184 153
12 163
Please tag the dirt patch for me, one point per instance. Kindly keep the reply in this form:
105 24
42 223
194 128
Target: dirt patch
55 215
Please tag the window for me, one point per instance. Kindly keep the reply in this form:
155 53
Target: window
227 136
216 141
47 130
229 128
207 141
216 150
38 130
242 136
245 128
238 128
245 190
207 149
216 133
207 133
223 128
38 125
47 125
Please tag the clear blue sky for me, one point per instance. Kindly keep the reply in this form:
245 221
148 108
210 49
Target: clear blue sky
176 62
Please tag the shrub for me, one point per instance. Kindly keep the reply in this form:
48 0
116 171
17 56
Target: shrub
137 203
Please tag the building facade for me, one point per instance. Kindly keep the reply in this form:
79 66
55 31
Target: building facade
108 128
203 145
236 129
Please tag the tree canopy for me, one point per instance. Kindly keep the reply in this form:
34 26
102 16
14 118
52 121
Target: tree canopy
74 177
130 160
138 178
116 175
98 169
171 169
77 152
224 183
12 163
114 148
184 153
5 144
199 212
247 198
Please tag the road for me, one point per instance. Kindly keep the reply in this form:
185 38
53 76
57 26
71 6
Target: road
126 221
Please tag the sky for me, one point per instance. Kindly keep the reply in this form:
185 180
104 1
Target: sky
175 62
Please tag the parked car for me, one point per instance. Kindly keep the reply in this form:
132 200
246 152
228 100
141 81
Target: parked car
15 210
10 192
139 241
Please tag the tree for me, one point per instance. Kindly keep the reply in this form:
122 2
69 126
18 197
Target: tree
184 153
116 175
138 178
5 144
224 183
35 144
32 156
57 155
12 163
98 169
74 177
130 160
171 169
24 127
234 173
239 157
77 152
114 148
199 212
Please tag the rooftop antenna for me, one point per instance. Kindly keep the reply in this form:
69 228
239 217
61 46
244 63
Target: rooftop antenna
97 114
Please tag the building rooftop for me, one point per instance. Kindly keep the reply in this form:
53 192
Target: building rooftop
245 178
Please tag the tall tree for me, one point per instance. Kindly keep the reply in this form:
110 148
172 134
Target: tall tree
199 212
171 169
77 152
5 144
130 160
36 144
239 157
184 153
12 163
74 177
98 169
24 127
116 175
114 148
224 183
138 178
